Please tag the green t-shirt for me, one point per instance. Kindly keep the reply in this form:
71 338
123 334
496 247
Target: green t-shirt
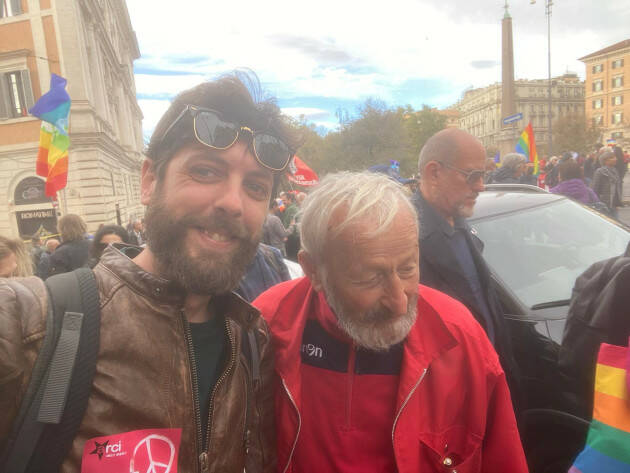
209 342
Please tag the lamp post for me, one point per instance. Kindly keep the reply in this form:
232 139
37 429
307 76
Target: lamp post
548 5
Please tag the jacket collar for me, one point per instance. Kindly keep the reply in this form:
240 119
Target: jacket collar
427 340
117 259
432 222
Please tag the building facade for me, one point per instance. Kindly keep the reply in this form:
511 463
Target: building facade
608 91
92 44
481 116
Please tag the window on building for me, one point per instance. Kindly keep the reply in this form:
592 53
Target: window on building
598 120
616 118
597 103
617 100
16 94
617 63
616 135
577 93
598 68
598 85
10 8
617 81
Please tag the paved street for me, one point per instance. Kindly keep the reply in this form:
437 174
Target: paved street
624 212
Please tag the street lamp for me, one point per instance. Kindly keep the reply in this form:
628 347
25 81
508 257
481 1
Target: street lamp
548 5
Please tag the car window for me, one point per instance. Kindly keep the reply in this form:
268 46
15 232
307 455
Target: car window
538 253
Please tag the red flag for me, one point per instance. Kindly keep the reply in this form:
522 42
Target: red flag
300 173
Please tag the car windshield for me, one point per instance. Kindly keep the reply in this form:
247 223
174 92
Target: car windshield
539 252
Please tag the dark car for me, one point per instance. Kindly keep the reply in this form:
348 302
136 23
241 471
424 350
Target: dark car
537 244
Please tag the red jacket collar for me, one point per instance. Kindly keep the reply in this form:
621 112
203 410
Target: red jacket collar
288 307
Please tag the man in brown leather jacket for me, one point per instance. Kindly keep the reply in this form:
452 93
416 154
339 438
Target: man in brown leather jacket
171 376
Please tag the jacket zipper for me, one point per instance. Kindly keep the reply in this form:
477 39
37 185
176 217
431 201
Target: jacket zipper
203 460
284 384
225 374
404 404
351 364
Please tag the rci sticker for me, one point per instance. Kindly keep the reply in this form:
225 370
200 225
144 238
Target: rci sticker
138 451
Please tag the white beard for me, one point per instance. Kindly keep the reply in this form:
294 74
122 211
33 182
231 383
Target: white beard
373 330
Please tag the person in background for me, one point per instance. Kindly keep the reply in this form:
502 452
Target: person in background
290 208
513 166
606 182
104 236
589 167
74 249
572 183
288 219
551 172
491 167
452 168
528 176
274 233
265 271
15 260
621 166
377 373
136 235
36 250
43 268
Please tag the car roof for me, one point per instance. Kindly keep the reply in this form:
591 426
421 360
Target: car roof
500 199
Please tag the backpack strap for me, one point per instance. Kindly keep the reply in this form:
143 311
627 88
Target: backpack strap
57 394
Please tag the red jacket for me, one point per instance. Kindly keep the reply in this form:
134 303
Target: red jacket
453 408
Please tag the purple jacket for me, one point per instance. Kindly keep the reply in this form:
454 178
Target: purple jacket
576 189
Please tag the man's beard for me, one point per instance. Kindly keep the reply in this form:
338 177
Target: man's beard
466 210
376 329
205 273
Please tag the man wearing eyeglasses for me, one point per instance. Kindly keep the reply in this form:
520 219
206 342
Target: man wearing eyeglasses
182 361
452 168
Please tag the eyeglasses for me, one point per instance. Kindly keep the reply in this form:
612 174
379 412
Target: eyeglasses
211 130
472 177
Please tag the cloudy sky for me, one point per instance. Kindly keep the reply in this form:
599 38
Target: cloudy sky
321 57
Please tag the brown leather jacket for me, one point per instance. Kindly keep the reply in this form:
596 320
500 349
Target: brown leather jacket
143 376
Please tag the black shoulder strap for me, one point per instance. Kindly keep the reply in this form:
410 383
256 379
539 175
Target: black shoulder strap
250 349
57 395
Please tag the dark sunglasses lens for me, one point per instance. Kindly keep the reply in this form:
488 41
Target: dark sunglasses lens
213 131
272 152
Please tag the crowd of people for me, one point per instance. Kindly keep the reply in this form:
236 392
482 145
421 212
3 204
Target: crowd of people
390 354
595 180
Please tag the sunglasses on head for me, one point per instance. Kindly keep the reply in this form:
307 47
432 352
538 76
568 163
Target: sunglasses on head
472 177
213 131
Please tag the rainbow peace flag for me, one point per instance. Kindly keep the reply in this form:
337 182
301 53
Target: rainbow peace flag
607 447
526 145
53 109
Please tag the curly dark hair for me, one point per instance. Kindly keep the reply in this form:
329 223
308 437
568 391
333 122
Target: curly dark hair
238 97
96 248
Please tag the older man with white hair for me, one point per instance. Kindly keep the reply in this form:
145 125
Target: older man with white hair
513 166
377 373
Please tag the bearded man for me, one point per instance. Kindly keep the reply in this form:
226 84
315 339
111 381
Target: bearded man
173 362
452 168
376 373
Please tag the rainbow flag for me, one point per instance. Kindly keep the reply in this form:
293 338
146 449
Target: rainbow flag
607 447
526 145
53 108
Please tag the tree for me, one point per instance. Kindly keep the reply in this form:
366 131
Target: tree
574 133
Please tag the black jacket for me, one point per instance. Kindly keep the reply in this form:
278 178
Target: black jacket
440 270
598 314
69 256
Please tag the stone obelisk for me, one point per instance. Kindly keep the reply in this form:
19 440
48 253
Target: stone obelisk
508 106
